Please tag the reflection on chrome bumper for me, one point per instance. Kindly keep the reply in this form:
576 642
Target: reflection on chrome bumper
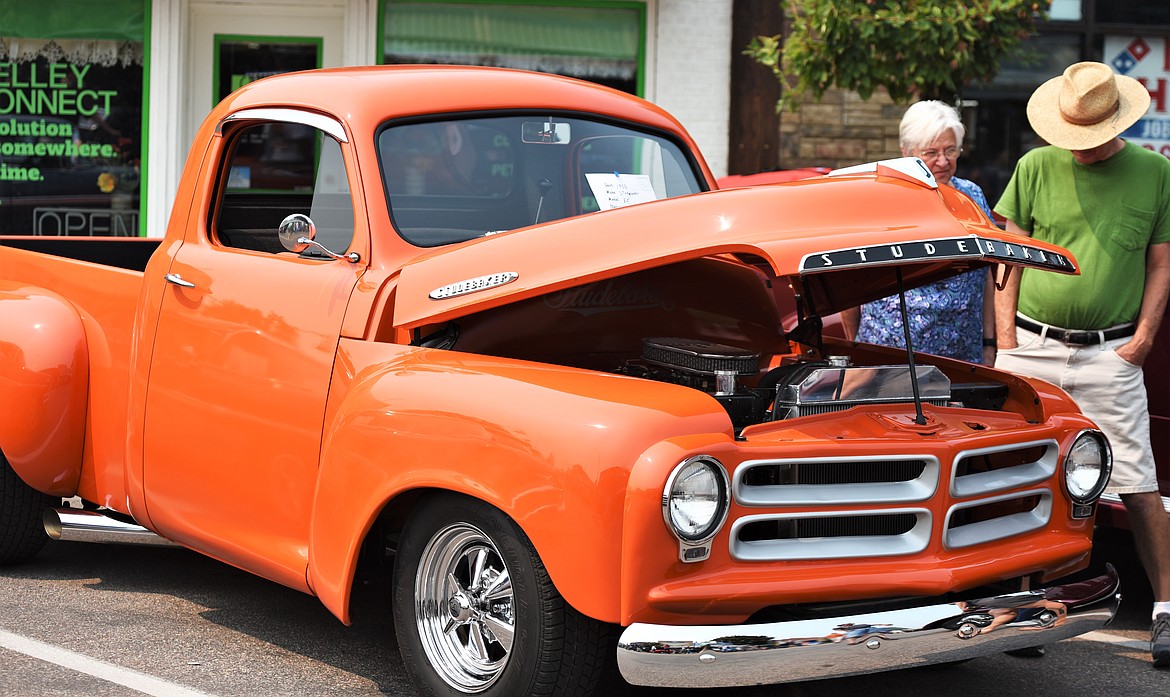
780 652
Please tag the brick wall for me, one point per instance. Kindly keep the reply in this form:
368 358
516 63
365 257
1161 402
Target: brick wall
840 130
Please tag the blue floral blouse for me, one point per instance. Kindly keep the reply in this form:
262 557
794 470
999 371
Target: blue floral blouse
946 318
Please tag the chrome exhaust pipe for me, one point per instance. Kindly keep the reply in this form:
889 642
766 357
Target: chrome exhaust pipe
77 525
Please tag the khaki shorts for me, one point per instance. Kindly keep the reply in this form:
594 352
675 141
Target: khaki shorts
1108 389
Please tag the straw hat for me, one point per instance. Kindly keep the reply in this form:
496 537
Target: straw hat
1086 107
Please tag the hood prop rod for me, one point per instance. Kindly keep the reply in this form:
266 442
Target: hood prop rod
919 418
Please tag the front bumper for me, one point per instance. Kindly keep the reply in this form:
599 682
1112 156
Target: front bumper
780 652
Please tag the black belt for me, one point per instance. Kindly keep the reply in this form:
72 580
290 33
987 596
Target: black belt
1075 337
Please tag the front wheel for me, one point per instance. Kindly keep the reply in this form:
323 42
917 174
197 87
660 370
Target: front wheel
476 613
22 530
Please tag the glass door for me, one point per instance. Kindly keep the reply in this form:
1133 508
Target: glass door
234 44
242 59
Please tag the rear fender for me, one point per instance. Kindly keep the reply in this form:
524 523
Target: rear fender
550 447
44 384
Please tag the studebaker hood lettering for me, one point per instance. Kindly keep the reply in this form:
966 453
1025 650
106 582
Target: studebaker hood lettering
827 235
969 248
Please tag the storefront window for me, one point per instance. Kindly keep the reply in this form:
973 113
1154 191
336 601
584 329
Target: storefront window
1135 12
1132 36
598 41
71 118
997 125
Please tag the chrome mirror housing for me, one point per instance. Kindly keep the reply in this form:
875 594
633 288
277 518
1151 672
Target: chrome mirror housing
297 232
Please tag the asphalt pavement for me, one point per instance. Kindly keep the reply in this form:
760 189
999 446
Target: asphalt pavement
86 619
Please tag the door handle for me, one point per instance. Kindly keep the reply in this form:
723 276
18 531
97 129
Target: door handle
177 280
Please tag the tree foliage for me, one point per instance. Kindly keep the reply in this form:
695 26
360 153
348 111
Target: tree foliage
913 48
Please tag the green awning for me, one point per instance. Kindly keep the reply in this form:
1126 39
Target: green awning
594 40
118 20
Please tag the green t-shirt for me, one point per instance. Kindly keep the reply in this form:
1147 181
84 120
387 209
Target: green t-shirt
1107 214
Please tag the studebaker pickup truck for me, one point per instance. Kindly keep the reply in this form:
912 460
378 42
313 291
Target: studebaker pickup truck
495 331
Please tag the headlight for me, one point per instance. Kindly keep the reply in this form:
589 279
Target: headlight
695 502
1087 467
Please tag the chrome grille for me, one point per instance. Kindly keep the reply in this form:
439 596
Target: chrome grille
840 526
984 485
837 535
833 480
834 472
987 520
988 470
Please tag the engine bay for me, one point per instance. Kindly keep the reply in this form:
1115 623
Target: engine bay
719 327
733 377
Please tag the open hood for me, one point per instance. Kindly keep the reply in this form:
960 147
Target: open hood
838 239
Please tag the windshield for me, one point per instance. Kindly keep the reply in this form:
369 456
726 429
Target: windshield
454 180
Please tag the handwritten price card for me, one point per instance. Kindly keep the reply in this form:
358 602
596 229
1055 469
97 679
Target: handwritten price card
613 190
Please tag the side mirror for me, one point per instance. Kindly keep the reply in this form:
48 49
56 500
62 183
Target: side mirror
297 232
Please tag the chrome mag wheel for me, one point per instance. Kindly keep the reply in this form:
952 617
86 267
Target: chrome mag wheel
464 607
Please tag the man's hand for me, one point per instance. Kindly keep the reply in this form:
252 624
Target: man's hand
1134 352
1007 299
1153 305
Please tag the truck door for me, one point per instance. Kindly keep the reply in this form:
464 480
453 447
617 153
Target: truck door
244 349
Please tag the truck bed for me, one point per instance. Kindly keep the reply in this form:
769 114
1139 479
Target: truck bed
102 279
130 253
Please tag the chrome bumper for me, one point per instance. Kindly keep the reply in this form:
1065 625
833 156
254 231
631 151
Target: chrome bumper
781 652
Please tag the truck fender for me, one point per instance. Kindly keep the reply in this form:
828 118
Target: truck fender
556 470
44 385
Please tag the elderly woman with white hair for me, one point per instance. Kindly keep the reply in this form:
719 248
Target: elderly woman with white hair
954 317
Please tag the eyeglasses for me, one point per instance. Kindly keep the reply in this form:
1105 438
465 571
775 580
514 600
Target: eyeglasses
951 153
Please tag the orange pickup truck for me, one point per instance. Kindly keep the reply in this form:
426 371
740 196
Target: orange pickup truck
495 332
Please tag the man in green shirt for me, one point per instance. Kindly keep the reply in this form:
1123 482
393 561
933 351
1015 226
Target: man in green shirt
1108 202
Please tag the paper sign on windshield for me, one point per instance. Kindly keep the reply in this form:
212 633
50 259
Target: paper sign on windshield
617 190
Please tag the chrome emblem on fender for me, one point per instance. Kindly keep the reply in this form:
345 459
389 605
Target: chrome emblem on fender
472 285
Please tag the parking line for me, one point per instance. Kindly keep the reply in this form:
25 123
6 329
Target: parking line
92 666
1116 640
